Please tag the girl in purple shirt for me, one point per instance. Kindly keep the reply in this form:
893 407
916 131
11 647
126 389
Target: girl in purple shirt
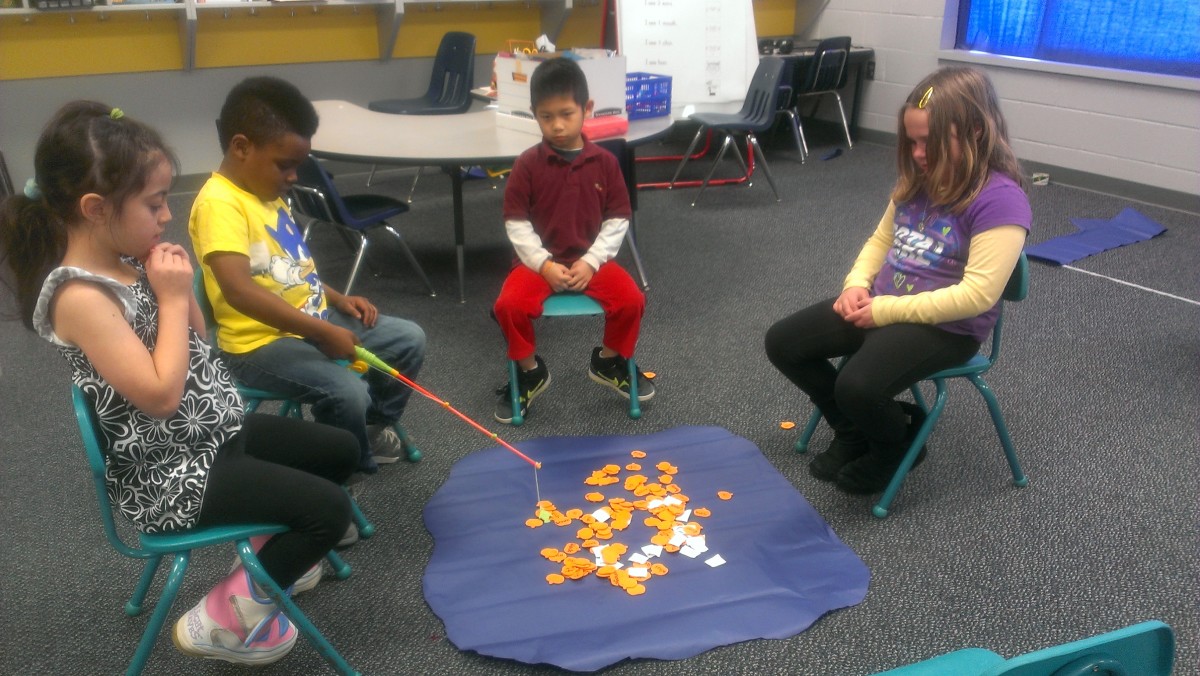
924 291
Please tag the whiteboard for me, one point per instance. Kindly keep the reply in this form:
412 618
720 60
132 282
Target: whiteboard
708 47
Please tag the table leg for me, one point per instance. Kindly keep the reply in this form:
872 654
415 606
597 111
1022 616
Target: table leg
456 183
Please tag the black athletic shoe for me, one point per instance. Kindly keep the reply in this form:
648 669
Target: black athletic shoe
872 472
613 372
529 385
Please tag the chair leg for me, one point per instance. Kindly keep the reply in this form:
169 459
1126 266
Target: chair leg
412 260
413 190
880 509
918 397
289 609
358 258
809 428
800 129
794 124
411 451
159 617
251 405
134 605
341 569
684 159
637 257
725 144
371 176
845 124
635 406
752 143
513 389
365 528
1019 478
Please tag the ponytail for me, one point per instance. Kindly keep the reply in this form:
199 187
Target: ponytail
32 241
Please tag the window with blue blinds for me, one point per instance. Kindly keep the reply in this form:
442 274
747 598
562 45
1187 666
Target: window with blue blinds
1156 36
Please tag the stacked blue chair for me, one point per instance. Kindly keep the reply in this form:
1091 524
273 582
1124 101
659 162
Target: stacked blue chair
756 116
179 546
973 370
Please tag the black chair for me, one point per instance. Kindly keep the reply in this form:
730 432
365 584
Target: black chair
826 74
449 90
315 196
625 158
756 116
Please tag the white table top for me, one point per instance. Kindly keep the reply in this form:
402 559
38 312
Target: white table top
351 132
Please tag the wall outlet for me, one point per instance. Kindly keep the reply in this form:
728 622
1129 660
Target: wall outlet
869 71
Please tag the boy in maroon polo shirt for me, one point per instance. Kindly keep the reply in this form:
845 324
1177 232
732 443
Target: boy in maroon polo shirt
566 209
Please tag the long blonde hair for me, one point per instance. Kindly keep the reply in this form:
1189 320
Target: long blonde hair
961 103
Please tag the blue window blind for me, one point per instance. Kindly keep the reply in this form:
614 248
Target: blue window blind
1157 36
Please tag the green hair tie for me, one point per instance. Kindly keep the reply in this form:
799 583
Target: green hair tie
116 113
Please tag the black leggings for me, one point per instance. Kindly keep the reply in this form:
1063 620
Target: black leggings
858 400
287 471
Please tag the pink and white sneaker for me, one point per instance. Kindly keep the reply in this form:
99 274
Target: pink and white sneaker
235 624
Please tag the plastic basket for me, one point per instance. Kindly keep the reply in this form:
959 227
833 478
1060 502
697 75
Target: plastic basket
647 95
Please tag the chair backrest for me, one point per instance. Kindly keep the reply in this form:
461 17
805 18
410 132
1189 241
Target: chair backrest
322 200
827 70
6 185
1015 291
453 72
619 147
762 99
1144 649
93 446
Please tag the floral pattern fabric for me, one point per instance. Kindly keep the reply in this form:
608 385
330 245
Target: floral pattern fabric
157 468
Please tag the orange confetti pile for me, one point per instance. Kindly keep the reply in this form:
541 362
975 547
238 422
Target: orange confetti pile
662 504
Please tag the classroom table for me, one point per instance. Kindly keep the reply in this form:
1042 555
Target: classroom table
352 133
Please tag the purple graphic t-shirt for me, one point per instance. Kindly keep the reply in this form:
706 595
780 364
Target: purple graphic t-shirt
930 246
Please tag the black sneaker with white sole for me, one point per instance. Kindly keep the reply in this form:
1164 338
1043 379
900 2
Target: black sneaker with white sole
613 373
529 385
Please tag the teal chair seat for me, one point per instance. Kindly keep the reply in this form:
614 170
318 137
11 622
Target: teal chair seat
1144 649
571 304
973 370
179 545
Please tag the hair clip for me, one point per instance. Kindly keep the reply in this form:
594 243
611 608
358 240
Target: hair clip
925 98
32 191
116 113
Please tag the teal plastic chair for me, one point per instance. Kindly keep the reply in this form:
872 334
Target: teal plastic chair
179 545
571 304
252 397
1144 649
1016 290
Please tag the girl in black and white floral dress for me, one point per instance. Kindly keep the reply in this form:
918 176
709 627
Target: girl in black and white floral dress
92 276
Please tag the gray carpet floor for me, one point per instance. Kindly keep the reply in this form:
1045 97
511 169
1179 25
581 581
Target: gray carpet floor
1098 382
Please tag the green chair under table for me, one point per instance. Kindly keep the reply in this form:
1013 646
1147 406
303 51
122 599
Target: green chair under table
571 304
1144 649
179 545
973 370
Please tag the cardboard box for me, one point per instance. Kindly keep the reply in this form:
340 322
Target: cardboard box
605 76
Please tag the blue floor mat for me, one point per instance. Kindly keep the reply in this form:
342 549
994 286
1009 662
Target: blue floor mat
1096 235
486 578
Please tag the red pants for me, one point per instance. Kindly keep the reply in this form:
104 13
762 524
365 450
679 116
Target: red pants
525 291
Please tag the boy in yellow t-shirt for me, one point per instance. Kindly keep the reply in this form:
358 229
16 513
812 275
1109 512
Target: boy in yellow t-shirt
279 328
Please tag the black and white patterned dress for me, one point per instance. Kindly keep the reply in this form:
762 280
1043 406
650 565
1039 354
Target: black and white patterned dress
157 468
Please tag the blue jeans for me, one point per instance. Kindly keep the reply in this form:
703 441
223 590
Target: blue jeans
296 369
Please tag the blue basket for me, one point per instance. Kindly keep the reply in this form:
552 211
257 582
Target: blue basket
647 95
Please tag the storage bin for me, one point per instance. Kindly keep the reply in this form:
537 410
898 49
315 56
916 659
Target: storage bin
647 95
